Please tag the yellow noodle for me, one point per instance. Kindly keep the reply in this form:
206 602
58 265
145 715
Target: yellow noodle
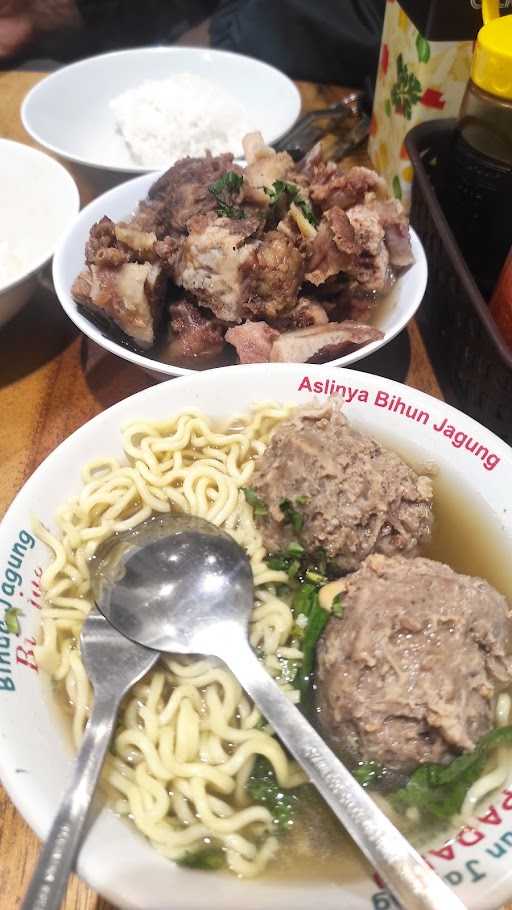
187 736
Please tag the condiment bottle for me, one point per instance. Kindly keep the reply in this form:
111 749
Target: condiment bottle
479 174
501 302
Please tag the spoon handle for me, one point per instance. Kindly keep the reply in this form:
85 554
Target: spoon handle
57 856
401 867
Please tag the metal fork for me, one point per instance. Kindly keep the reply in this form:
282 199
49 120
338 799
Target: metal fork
113 664
303 135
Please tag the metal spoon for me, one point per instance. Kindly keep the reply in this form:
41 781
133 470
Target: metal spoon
181 585
113 664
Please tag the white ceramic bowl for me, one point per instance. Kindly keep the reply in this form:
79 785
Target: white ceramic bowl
35 757
69 112
38 202
119 202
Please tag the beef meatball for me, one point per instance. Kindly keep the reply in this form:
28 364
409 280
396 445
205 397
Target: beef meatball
356 497
411 670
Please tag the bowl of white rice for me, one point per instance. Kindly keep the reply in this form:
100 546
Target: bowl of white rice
38 202
141 110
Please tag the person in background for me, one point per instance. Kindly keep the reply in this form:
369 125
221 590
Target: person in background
319 40
72 29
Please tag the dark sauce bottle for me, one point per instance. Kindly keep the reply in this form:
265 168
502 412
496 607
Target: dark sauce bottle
478 192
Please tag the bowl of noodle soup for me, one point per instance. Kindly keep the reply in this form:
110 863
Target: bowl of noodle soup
176 782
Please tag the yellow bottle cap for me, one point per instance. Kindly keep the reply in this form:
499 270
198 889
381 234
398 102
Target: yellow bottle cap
491 69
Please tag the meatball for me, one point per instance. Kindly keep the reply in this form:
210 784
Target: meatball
355 496
411 670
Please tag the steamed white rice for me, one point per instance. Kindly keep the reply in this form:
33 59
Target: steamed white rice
165 120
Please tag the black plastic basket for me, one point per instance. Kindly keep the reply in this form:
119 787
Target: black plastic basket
471 361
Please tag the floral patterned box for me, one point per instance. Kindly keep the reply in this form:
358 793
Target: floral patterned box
417 80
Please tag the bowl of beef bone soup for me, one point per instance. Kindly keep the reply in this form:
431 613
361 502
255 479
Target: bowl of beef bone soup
214 264
379 525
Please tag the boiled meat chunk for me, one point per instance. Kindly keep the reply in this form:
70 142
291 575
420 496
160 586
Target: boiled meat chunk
350 242
210 260
235 275
103 247
192 332
253 341
264 167
357 497
330 186
183 191
395 223
411 672
130 296
319 343
333 248
273 275
306 313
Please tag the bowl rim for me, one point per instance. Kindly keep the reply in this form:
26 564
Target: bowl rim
88 328
117 414
74 209
156 49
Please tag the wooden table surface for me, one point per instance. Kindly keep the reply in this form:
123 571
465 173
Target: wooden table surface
52 380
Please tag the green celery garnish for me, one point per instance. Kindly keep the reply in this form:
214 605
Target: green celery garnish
263 788
316 578
295 549
305 602
439 790
291 515
225 189
259 507
294 568
337 607
11 620
280 563
280 188
208 858
368 773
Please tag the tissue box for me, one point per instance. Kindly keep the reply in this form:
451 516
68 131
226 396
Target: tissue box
418 79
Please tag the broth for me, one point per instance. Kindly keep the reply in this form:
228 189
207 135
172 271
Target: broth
317 849
383 307
226 358
468 536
